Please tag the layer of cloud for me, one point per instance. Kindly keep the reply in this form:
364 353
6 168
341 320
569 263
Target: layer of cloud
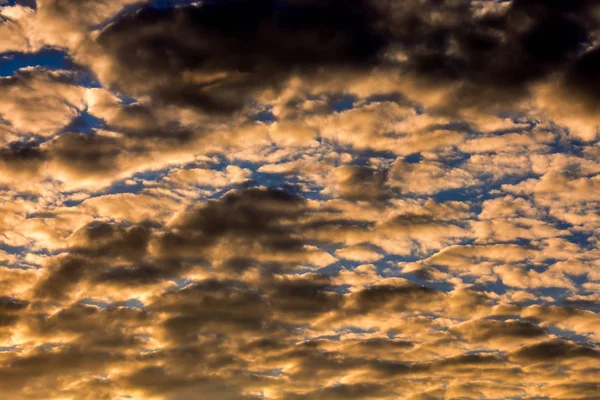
299 199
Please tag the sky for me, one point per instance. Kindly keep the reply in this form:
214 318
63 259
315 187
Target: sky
299 199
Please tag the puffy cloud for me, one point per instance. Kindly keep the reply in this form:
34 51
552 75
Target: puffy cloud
500 334
41 102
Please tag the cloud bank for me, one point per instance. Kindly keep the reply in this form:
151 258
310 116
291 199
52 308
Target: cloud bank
299 199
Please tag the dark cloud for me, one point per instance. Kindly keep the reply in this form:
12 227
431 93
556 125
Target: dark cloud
82 154
51 363
488 330
109 328
364 183
394 298
303 297
555 350
266 218
20 156
213 306
107 254
501 50
385 345
140 273
100 239
62 277
241 47
254 222
238 47
161 380
352 391
10 309
79 156
583 75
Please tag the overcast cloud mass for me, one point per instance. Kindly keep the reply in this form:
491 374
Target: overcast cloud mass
299 199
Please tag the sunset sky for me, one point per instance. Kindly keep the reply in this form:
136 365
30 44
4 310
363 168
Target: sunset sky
299 199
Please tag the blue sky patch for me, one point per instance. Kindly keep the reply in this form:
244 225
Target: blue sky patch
47 58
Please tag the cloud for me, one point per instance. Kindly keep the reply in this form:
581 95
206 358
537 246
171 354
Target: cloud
499 333
213 71
294 199
359 254
40 101
553 350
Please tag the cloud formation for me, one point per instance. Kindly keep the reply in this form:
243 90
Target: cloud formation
299 199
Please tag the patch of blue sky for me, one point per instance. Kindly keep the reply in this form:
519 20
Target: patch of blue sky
26 196
85 123
479 193
387 267
460 194
572 146
135 184
585 305
285 182
413 158
497 287
133 303
24 3
265 116
312 193
556 293
125 99
124 186
570 335
581 239
440 286
49 58
72 203
456 160
359 157
84 77
522 242
578 280
95 303
345 103
335 338
14 250
216 161
564 142
162 4
355 329
142 180
290 184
